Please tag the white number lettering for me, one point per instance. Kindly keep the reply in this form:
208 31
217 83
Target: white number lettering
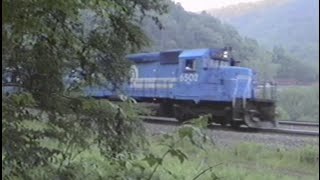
189 78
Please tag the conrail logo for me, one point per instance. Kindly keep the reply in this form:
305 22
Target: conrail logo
134 73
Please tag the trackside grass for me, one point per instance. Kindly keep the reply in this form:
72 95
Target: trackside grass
245 161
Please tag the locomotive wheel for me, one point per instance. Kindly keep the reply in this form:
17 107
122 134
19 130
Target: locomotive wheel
269 115
252 120
235 124
255 118
218 119
165 109
180 115
184 113
228 116
223 123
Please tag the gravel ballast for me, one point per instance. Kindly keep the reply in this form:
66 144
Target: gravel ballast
230 138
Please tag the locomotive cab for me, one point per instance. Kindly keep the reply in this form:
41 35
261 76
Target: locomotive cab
211 80
208 75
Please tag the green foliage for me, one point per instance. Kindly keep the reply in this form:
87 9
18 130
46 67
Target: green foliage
213 163
42 41
101 124
292 68
282 114
21 148
46 39
171 143
75 162
300 104
253 161
296 30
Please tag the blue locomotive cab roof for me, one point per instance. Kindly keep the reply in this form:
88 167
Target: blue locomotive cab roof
172 56
194 53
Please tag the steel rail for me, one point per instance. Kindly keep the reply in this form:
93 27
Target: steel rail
288 131
298 123
174 122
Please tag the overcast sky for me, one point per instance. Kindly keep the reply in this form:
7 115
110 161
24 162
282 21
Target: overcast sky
199 5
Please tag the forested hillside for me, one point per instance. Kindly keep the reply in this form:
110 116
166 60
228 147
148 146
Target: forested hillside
190 30
293 24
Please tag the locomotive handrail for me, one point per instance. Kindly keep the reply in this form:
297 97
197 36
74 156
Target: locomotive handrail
235 92
244 93
246 90
266 89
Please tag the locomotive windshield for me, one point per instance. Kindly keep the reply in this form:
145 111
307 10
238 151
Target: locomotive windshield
221 54
221 57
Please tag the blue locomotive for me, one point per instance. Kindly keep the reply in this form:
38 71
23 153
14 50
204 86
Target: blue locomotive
189 83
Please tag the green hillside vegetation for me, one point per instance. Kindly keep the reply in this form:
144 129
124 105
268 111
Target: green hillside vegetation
292 68
190 30
299 104
241 9
293 24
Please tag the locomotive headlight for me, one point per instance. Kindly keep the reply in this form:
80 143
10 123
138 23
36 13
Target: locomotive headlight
225 54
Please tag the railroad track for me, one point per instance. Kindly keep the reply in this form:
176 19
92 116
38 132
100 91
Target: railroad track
299 123
174 122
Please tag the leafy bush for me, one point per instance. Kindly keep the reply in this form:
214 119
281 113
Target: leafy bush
300 103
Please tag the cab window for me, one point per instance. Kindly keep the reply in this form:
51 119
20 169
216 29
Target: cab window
190 65
210 64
